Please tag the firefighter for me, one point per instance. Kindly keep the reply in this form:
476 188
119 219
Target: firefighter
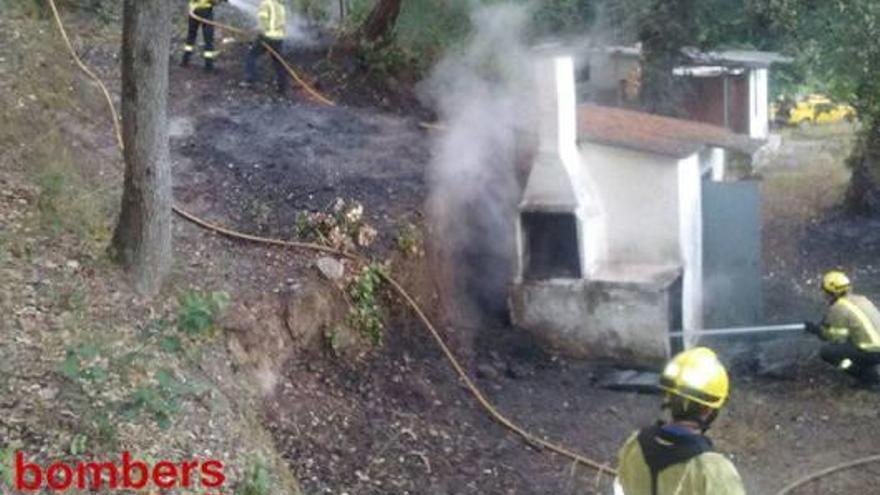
852 327
675 456
272 17
205 10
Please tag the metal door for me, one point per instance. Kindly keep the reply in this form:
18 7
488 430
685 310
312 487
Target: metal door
733 292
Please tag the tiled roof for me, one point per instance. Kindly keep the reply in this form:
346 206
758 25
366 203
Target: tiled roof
650 133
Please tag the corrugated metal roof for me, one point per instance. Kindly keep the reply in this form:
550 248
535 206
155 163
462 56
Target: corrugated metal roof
737 58
650 133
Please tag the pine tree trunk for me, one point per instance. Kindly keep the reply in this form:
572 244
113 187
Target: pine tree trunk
381 20
863 194
665 28
142 240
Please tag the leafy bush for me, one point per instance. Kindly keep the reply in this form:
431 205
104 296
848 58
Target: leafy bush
83 363
366 313
409 240
198 312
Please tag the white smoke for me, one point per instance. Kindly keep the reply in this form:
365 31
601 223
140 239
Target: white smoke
482 94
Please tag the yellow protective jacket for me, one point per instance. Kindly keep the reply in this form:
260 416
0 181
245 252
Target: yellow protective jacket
854 319
706 473
273 19
202 4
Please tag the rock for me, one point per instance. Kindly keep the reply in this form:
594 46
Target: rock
262 333
487 371
516 371
48 393
308 312
331 268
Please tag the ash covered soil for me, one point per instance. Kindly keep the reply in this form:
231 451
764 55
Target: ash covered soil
256 160
399 422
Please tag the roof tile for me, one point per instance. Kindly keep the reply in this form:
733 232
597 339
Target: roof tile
656 134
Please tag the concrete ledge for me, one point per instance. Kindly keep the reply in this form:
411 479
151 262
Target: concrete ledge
621 322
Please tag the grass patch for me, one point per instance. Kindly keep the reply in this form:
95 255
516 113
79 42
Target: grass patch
257 481
67 203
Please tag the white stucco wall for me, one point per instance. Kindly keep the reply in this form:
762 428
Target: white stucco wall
653 208
759 104
713 163
640 195
690 237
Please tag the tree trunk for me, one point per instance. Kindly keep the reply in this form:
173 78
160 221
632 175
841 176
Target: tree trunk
863 193
142 240
381 21
665 28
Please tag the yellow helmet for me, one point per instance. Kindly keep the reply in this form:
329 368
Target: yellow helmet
835 283
697 375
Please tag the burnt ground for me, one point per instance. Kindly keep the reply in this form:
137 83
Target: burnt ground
399 422
256 161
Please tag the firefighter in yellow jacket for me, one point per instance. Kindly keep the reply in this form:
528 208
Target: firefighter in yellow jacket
272 16
852 327
675 457
205 10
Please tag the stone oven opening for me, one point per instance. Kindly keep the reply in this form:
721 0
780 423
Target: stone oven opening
551 246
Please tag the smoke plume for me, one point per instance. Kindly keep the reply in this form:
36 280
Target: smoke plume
482 96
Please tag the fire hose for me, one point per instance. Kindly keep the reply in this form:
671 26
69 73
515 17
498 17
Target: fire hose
475 391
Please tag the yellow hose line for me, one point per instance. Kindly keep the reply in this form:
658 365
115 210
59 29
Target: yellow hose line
290 70
257 239
481 398
116 121
825 472
471 386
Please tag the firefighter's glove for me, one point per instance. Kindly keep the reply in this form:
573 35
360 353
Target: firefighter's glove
812 328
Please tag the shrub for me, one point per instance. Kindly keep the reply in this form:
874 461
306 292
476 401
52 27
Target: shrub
198 312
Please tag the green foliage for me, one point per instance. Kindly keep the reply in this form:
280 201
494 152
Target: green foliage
258 480
199 312
159 400
79 445
564 17
82 363
7 464
118 381
387 59
331 340
409 240
315 10
366 313
836 41
64 203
